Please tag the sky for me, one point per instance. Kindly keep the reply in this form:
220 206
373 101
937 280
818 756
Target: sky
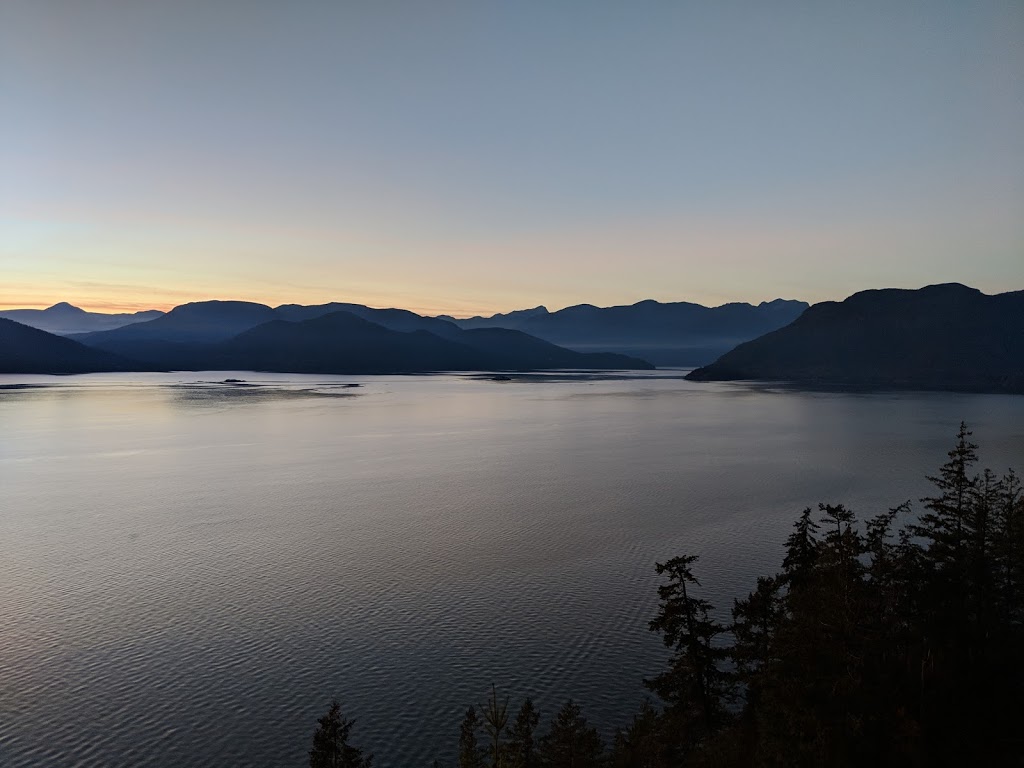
474 157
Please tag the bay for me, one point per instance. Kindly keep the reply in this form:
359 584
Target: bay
191 569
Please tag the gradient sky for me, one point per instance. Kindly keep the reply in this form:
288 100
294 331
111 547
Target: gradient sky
484 156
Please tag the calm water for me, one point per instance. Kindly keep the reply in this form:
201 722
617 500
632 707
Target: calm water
189 572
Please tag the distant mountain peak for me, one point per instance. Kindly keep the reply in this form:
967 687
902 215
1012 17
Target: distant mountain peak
64 318
218 304
64 307
937 289
779 302
950 289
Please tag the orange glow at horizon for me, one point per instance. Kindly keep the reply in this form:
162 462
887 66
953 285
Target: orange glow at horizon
128 306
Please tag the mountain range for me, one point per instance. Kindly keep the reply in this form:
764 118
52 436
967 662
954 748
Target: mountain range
678 333
947 337
667 334
243 335
64 318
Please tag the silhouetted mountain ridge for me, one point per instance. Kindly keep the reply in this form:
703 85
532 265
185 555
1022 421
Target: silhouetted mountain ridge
676 333
65 319
395 319
947 336
341 342
323 339
196 322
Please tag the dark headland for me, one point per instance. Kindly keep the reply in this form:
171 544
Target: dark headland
942 337
29 350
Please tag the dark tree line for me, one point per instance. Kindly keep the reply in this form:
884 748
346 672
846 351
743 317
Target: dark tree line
891 641
330 743
568 741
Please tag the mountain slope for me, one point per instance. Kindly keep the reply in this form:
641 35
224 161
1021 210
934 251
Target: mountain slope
209 335
341 342
678 333
510 349
64 318
947 337
394 319
201 322
210 322
24 349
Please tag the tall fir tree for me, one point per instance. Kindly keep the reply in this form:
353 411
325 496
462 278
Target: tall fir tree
471 755
643 743
945 527
570 742
330 743
495 722
694 687
801 548
1008 552
754 630
521 748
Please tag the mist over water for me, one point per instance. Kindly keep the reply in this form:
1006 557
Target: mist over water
191 570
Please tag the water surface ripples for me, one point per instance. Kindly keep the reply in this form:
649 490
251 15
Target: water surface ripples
191 569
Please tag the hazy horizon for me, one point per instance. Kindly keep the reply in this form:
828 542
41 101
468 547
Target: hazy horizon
142 307
147 307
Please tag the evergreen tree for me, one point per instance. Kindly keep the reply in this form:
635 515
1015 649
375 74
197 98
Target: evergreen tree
754 621
946 525
694 687
521 747
889 614
946 531
879 545
495 720
801 548
841 565
981 546
570 742
470 753
1008 552
330 743
642 744
754 628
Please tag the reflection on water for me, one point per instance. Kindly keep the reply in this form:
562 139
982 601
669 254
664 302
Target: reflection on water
191 568
223 393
